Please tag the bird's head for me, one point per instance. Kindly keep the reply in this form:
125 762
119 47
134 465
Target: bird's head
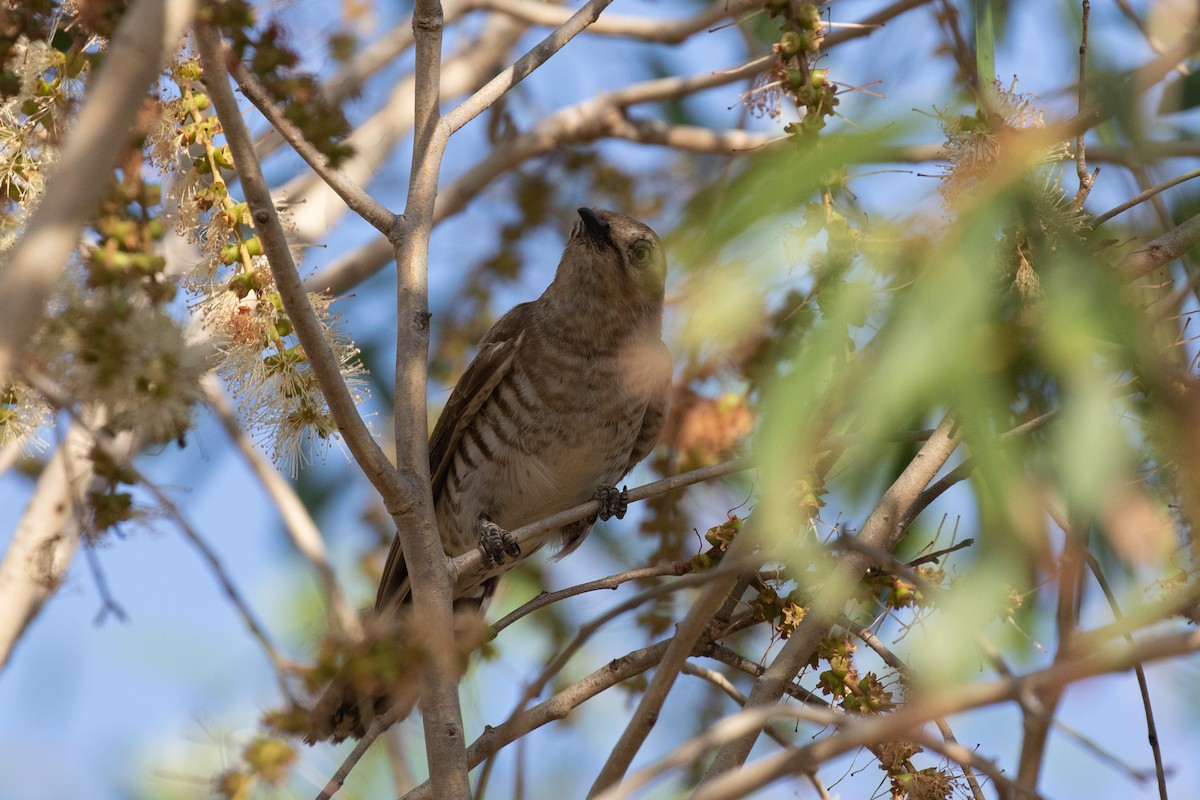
616 261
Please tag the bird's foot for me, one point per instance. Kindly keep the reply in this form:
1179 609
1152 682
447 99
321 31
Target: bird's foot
614 502
495 543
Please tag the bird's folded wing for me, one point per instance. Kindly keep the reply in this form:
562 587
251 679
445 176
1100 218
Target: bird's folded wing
493 361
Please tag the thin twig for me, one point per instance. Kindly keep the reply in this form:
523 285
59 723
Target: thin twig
726 655
727 730
937 554
239 603
725 685
964 470
108 603
1142 197
611 582
729 569
971 761
1139 670
377 727
352 195
118 449
898 664
1086 179
463 566
1152 40
494 89
882 529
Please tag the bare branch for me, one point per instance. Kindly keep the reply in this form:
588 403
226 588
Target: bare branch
1086 179
296 519
148 34
868 25
611 582
725 685
424 556
1142 197
352 195
729 729
1139 671
1161 251
964 470
315 208
378 726
494 89
1152 40
729 566
257 630
689 138
120 449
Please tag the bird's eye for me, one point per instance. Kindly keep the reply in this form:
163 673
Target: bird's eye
641 254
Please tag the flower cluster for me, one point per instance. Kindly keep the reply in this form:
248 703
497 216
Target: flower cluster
792 74
115 335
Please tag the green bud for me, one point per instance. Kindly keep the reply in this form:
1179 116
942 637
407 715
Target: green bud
790 44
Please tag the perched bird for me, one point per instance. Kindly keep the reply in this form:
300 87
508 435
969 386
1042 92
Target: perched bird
566 394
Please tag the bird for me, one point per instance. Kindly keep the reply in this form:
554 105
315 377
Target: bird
564 396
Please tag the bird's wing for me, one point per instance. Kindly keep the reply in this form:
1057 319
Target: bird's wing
496 352
495 357
658 405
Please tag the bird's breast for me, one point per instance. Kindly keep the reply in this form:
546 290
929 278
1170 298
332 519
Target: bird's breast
557 426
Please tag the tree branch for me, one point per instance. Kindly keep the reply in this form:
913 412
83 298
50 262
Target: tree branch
1161 251
646 29
611 582
1142 197
462 567
352 195
295 302
494 89
424 555
314 206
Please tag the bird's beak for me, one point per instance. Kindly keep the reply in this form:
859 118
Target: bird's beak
594 228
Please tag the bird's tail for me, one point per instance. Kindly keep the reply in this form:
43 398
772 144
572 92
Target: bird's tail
379 675
346 711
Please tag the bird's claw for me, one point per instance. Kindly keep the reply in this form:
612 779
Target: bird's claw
495 543
614 502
